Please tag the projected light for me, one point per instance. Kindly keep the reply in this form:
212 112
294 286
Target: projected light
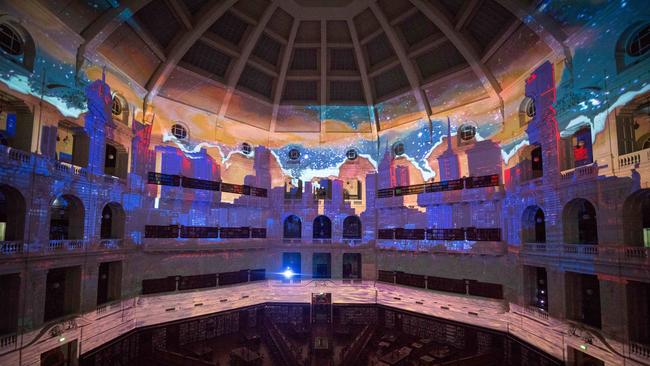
288 273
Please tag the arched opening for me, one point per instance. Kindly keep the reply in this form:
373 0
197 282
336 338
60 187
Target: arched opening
352 227
322 227
12 214
533 225
113 219
636 219
66 218
579 221
292 227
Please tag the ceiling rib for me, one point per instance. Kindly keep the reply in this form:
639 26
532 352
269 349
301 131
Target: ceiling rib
365 81
464 47
466 13
182 45
181 13
286 57
147 37
409 70
95 33
545 27
240 64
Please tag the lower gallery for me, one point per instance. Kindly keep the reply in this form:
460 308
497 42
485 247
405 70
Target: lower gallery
311 182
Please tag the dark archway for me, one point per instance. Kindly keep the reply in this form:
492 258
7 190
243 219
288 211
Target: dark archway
292 227
533 225
352 227
113 220
636 218
536 162
322 227
579 221
12 214
66 218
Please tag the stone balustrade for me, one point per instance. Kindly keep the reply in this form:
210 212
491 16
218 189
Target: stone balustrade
11 247
66 245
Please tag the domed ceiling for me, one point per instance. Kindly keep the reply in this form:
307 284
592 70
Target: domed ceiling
261 55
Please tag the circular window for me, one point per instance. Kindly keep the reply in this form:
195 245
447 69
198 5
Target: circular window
467 132
530 108
351 154
116 107
10 40
294 154
639 43
246 148
179 131
398 149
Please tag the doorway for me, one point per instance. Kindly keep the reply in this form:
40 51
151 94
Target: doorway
322 265
352 265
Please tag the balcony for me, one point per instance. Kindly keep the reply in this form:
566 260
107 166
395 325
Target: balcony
66 245
495 248
581 173
70 169
15 156
634 159
11 247
111 243
616 260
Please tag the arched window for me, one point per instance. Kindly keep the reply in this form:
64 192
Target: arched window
467 132
352 227
398 149
636 219
113 220
322 227
527 111
639 43
579 221
66 218
179 131
632 46
12 214
120 109
246 148
292 227
10 40
16 43
351 154
533 225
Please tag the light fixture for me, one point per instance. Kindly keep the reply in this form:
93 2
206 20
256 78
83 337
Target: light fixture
288 273
62 339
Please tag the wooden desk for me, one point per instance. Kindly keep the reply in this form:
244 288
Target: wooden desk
244 356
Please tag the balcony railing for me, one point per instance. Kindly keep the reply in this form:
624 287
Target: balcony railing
606 252
67 168
69 245
7 342
638 349
580 173
634 158
110 243
11 247
461 247
15 154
